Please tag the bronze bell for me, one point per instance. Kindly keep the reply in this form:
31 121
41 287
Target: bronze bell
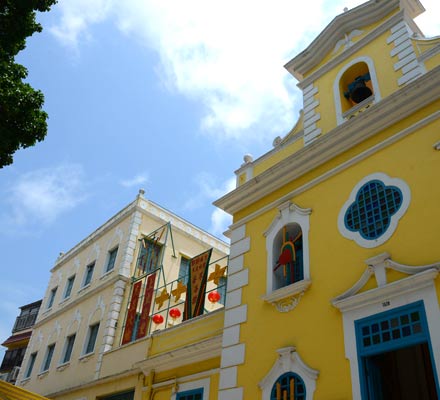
359 91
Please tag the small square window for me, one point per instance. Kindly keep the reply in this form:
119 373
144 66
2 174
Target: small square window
70 341
69 286
111 259
91 338
52 295
47 360
89 274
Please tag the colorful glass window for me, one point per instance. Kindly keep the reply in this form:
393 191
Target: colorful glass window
288 247
288 386
370 214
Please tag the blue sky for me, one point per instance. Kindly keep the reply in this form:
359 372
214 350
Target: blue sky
167 96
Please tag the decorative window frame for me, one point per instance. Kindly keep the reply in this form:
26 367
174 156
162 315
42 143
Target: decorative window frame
289 361
387 181
336 91
387 296
199 384
284 298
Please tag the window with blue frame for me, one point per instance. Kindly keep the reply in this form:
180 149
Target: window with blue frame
370 214
395 355
288 252
184 270
195 394
288 386
221 289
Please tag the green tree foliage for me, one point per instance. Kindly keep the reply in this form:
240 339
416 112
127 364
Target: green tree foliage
22 120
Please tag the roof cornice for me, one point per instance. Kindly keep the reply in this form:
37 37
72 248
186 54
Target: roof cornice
363 15
399 105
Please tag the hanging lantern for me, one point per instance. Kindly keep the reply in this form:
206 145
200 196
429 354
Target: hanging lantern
157 319
175 313
214 296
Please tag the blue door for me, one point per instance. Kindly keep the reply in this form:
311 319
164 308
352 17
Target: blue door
395 355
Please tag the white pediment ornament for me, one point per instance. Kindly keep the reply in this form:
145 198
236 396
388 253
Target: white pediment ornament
378 266
289 361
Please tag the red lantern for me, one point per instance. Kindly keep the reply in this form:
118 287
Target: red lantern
214 296
157 319
175 313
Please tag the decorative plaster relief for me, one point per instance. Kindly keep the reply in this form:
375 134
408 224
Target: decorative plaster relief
289 361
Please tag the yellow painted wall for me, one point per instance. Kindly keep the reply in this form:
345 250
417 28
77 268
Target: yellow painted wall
336 263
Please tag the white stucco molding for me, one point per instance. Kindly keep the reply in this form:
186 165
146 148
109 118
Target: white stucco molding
336 91
377 266
288 213
289 361
354 305
287 298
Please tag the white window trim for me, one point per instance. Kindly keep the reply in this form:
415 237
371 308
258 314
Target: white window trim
65 288
356 236
289 361
336 93
107 259
86 342
199 384
387 296
288 213
84 284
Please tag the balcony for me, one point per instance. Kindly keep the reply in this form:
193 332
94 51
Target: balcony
24 322
12 358
163 306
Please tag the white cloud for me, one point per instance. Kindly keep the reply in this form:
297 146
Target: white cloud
41 196
137 180
208 190
220 222
227 55
77 16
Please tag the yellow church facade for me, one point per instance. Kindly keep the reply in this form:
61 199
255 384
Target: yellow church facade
338 224
329 289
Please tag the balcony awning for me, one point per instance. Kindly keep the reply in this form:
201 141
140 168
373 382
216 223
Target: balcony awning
17 338
11 392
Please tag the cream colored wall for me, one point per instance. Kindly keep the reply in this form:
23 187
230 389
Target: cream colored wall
92 304
80 369
315 326
85 306
97 251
